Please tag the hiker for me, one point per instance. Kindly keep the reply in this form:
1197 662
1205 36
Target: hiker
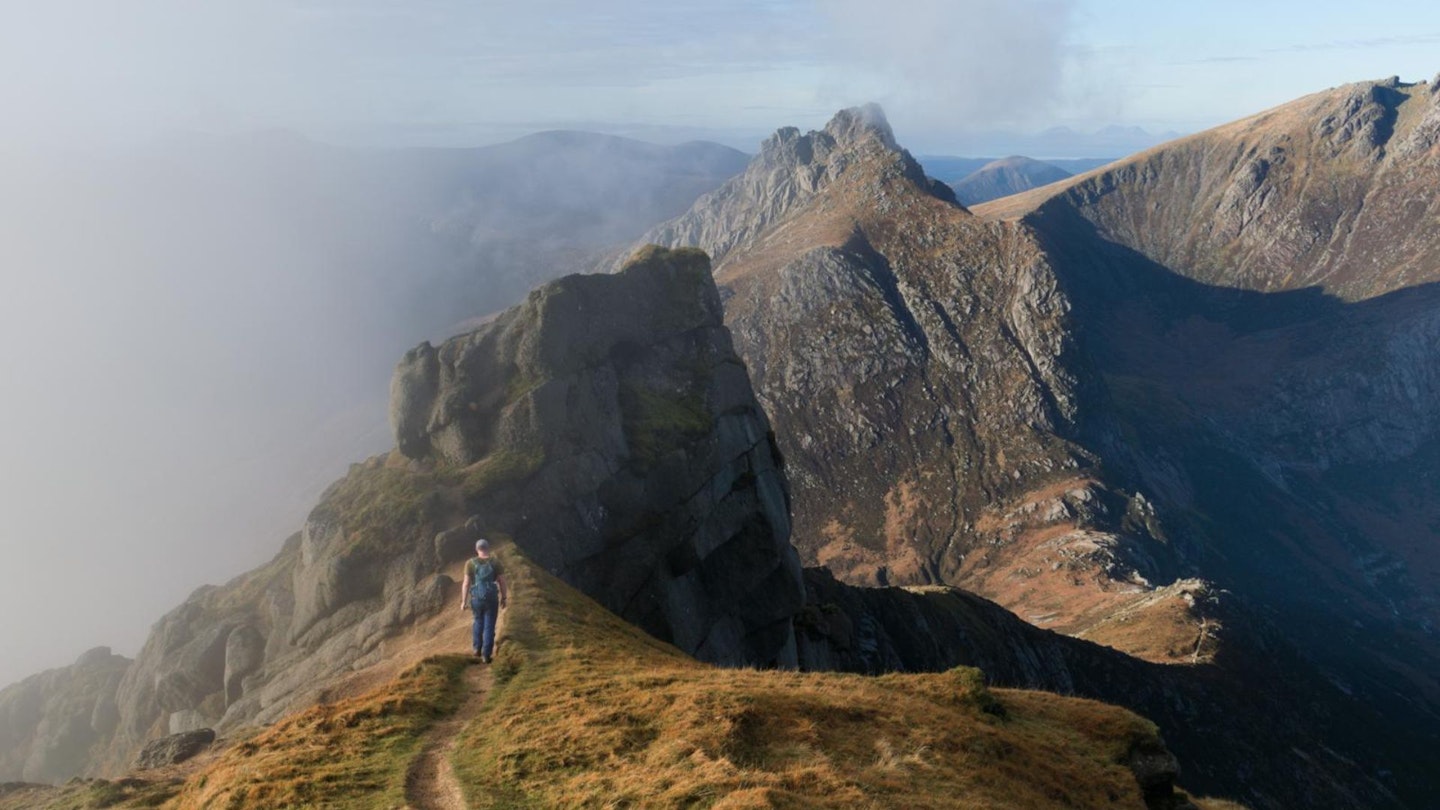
484 593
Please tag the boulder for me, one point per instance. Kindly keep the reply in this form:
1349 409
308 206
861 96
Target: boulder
174 748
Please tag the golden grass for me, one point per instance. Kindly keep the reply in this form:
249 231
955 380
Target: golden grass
590 712
83 794
354 753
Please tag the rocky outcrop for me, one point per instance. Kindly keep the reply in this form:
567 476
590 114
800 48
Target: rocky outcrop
790 171
53 724
636 462
607 424
174 748
268 642
246 652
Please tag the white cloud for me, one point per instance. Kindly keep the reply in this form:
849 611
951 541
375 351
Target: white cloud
963 64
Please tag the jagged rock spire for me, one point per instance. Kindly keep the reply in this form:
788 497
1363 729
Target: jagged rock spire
790 170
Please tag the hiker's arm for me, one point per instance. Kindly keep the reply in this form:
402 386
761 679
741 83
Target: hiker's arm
464 589
504 592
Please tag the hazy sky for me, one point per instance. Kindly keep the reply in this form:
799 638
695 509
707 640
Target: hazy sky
466 71
174 364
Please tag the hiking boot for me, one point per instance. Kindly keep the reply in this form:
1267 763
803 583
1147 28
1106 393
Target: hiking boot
484 659
476 653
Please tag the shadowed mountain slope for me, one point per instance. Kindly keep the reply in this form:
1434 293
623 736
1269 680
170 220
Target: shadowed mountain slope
1049 415
920 369
1335 190
1291 435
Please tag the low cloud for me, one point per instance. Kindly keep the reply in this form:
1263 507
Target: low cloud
970 64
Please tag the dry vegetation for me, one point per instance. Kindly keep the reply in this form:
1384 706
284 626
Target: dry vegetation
354 753
588 711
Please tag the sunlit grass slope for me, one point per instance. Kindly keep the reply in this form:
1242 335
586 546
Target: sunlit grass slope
590 712
354 753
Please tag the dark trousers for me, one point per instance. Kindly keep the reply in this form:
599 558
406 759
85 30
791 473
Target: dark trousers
482 632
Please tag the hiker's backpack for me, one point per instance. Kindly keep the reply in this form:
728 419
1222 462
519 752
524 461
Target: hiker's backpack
482 583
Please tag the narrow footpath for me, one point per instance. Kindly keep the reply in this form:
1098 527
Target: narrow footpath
431 782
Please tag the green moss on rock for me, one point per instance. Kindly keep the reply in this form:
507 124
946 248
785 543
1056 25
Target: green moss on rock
656 422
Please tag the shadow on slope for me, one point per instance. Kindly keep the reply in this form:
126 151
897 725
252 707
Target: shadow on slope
1286 435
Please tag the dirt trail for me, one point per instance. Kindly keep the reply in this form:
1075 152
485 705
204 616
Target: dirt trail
431 782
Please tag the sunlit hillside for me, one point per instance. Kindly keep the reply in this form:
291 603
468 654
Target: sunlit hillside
581 709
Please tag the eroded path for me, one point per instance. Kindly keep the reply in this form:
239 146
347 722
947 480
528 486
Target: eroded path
431 782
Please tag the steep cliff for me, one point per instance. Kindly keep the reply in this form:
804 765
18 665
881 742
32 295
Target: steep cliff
605 422
650 476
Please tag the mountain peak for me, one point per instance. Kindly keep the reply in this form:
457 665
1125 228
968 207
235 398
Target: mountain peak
856 149
855 124
852 129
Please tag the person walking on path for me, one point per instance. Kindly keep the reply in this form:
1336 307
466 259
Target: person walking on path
483 592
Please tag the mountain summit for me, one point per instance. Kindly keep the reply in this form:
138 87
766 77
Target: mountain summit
791 170
1334 190
918 364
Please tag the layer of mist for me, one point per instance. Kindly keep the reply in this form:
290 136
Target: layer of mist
198 336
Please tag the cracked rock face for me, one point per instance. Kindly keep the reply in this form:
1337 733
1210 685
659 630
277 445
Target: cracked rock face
919 365
647 472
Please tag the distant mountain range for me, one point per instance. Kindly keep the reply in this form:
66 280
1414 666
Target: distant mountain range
951 170
1058 143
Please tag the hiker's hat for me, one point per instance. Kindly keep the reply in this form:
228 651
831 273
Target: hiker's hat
482 545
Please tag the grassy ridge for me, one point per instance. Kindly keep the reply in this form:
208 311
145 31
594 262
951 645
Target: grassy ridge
354 753
350 754
590 712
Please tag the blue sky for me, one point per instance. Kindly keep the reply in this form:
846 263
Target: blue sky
459 72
